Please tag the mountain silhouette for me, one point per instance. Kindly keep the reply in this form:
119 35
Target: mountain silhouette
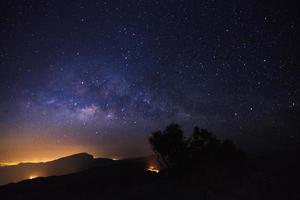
61 166
131 179
107 178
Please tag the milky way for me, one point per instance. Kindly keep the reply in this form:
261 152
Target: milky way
107 73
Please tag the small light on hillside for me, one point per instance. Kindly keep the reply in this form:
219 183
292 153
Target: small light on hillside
153 169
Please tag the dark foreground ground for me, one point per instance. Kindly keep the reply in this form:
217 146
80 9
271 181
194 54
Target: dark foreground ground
269 178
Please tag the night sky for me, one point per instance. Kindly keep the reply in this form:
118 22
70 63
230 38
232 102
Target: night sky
100 76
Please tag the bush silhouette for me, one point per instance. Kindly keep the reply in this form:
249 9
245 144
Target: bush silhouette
200 153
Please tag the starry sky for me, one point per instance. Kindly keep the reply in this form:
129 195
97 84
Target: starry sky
100 76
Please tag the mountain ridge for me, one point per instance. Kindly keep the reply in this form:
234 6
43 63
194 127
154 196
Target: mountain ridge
64 165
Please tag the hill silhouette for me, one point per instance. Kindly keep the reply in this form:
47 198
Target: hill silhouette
196 167
267 178
61 166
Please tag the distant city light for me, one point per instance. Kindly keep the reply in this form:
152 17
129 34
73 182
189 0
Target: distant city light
32 177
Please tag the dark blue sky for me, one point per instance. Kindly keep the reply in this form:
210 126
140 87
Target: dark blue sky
104 74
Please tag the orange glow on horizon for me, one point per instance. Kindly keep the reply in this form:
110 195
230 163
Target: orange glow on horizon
28 148
48 159
32 177
27 152
3 164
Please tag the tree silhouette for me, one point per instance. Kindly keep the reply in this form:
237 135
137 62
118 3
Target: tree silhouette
201 152
168 145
